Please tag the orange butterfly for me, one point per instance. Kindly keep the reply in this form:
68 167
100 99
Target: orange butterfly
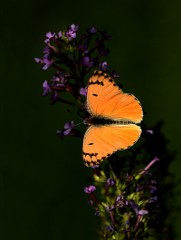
113 117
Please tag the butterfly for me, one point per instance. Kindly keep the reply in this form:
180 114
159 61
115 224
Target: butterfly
113 119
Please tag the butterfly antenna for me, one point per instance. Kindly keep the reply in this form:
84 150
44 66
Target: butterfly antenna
78 124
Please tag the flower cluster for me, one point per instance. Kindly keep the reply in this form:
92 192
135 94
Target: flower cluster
127 191
73 58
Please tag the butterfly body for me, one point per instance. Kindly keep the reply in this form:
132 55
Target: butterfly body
113 119
99 121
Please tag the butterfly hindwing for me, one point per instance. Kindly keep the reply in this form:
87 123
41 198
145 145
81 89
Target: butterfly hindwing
106 99
101 141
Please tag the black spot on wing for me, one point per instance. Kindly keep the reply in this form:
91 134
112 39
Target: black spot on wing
94 94
90 154
98 73
94 163
97 82
90 143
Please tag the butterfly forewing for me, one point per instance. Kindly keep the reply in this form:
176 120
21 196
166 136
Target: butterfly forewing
106 99
101 141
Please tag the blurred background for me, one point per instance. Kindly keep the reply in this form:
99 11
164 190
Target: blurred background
41 177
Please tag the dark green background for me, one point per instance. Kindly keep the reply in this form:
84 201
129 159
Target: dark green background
41 177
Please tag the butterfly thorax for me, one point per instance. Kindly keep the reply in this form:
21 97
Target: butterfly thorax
97 121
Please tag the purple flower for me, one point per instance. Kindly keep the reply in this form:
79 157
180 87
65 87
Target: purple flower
89 189
97 213
38 60
119 199
110 228
142 212
134 206
46 88
153 189
54 97
139 188
71 32
59 79
47 60
95 166
92 30
126 202
47 63
59 34
83 48
115 74
103 66
83 91
74 27
153 199
127 222
110 208
110 182
47 51
86 62
67 129
49 37
149 131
